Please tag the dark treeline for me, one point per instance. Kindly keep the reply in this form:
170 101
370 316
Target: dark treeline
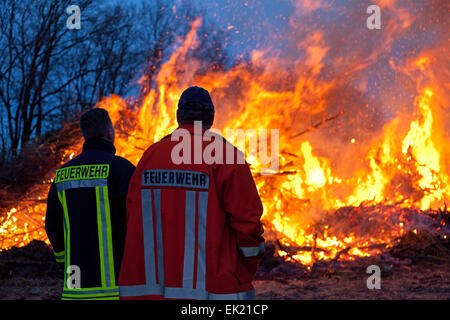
49 74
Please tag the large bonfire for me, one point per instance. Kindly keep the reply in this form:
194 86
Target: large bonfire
356 170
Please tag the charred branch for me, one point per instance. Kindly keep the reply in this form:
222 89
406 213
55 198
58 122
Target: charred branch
317 125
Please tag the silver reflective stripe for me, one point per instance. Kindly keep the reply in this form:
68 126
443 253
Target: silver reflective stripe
201 260
105 238
187 291
77 184
189 241
159 236
66 241
253 251
183 293
147 223
86 292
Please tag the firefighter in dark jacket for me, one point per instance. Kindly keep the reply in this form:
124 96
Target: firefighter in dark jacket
86 212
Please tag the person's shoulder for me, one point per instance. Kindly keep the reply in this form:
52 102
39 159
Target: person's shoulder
219 137
71 163
122 162
230 150
165 142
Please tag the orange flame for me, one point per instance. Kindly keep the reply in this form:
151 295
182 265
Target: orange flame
404 166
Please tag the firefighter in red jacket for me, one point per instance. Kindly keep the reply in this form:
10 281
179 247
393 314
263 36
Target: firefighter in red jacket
193 226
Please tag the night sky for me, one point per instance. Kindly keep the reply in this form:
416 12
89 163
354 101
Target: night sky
252 24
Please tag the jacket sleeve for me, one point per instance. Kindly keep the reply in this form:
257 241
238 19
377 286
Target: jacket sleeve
243 204
125 178
54 224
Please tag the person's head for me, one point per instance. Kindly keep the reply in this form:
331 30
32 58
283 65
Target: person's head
96 124
195 105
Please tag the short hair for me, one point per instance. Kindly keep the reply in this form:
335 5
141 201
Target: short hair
95 123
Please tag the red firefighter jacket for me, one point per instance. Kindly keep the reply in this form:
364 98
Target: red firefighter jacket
193 230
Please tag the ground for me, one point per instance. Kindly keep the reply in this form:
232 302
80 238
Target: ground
421 281
30 273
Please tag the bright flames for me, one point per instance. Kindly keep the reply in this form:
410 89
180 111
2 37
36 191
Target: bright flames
321 202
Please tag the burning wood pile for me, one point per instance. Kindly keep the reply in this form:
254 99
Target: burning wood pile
23 195
429 243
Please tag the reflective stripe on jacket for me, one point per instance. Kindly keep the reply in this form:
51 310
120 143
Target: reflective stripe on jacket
193 230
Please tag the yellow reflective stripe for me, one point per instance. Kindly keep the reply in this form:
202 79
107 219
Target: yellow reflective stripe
68 295
100 237
93 298
109 237
66 234
59 254
96 171
91 289
91 294
103 219
65 241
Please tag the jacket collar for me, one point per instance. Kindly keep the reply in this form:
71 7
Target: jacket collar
99 144
193 128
